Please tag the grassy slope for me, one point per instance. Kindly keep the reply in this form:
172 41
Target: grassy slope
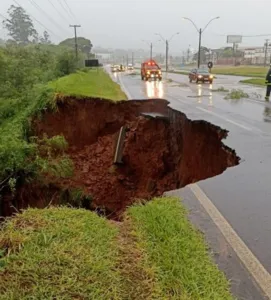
15 113
62 253
177 252
94 83
58 253
242 71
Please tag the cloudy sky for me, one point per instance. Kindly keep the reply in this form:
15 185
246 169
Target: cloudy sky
125 23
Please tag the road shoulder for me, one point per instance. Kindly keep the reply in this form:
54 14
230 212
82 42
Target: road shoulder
242 284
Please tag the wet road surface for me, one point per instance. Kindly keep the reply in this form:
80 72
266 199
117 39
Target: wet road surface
242 194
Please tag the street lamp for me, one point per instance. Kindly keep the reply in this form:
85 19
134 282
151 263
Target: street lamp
167 45
200 31
150 45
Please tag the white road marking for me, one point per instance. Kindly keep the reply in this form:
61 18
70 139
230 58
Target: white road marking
225 119
253 265
124 88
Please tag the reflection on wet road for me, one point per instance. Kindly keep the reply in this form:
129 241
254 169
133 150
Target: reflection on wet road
154 89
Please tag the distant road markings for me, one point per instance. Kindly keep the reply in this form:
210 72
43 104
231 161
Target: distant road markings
225 119
253 265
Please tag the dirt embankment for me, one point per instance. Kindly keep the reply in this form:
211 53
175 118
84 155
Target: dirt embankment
163 150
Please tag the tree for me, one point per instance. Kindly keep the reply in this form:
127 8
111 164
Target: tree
20 25
84 45
204 51
45 39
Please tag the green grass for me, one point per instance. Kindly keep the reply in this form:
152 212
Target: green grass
178 252
254 81
63 253
93 83
242 71
59 253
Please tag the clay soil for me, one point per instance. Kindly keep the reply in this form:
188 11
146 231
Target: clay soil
163 149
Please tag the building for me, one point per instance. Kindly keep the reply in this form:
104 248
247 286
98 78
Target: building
256 55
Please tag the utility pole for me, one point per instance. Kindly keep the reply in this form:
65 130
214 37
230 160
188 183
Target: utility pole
151 51
75 39
188 54
265 52
127 59
199 54
133 58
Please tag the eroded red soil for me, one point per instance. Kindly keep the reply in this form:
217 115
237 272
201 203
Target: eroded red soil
160 154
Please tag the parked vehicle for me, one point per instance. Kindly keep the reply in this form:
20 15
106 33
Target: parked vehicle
200 75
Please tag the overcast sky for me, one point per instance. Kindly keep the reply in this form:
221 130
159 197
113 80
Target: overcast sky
125 23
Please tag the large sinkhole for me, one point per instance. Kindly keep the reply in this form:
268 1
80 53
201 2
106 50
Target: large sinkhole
127 151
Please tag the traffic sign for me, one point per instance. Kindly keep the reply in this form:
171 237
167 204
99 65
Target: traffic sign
210 64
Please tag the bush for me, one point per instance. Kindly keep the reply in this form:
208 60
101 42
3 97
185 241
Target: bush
24 70
23 67
66 63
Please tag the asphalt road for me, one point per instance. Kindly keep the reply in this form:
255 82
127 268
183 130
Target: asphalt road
242 194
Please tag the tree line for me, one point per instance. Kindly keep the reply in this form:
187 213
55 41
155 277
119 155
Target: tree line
22 31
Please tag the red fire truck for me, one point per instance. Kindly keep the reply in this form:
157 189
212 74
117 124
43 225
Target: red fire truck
150 70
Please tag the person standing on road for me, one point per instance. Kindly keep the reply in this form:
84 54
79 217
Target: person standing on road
268 83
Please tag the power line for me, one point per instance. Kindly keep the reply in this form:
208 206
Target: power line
257 35
63 7
69 9
246 36
4 17
50 1
38 21
43 12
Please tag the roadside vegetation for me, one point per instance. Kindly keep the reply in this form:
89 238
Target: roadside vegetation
28 62
64 253
24 94
92 83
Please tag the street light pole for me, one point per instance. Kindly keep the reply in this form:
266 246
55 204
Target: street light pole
167 46
199 54
200 31
166 55
151 47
